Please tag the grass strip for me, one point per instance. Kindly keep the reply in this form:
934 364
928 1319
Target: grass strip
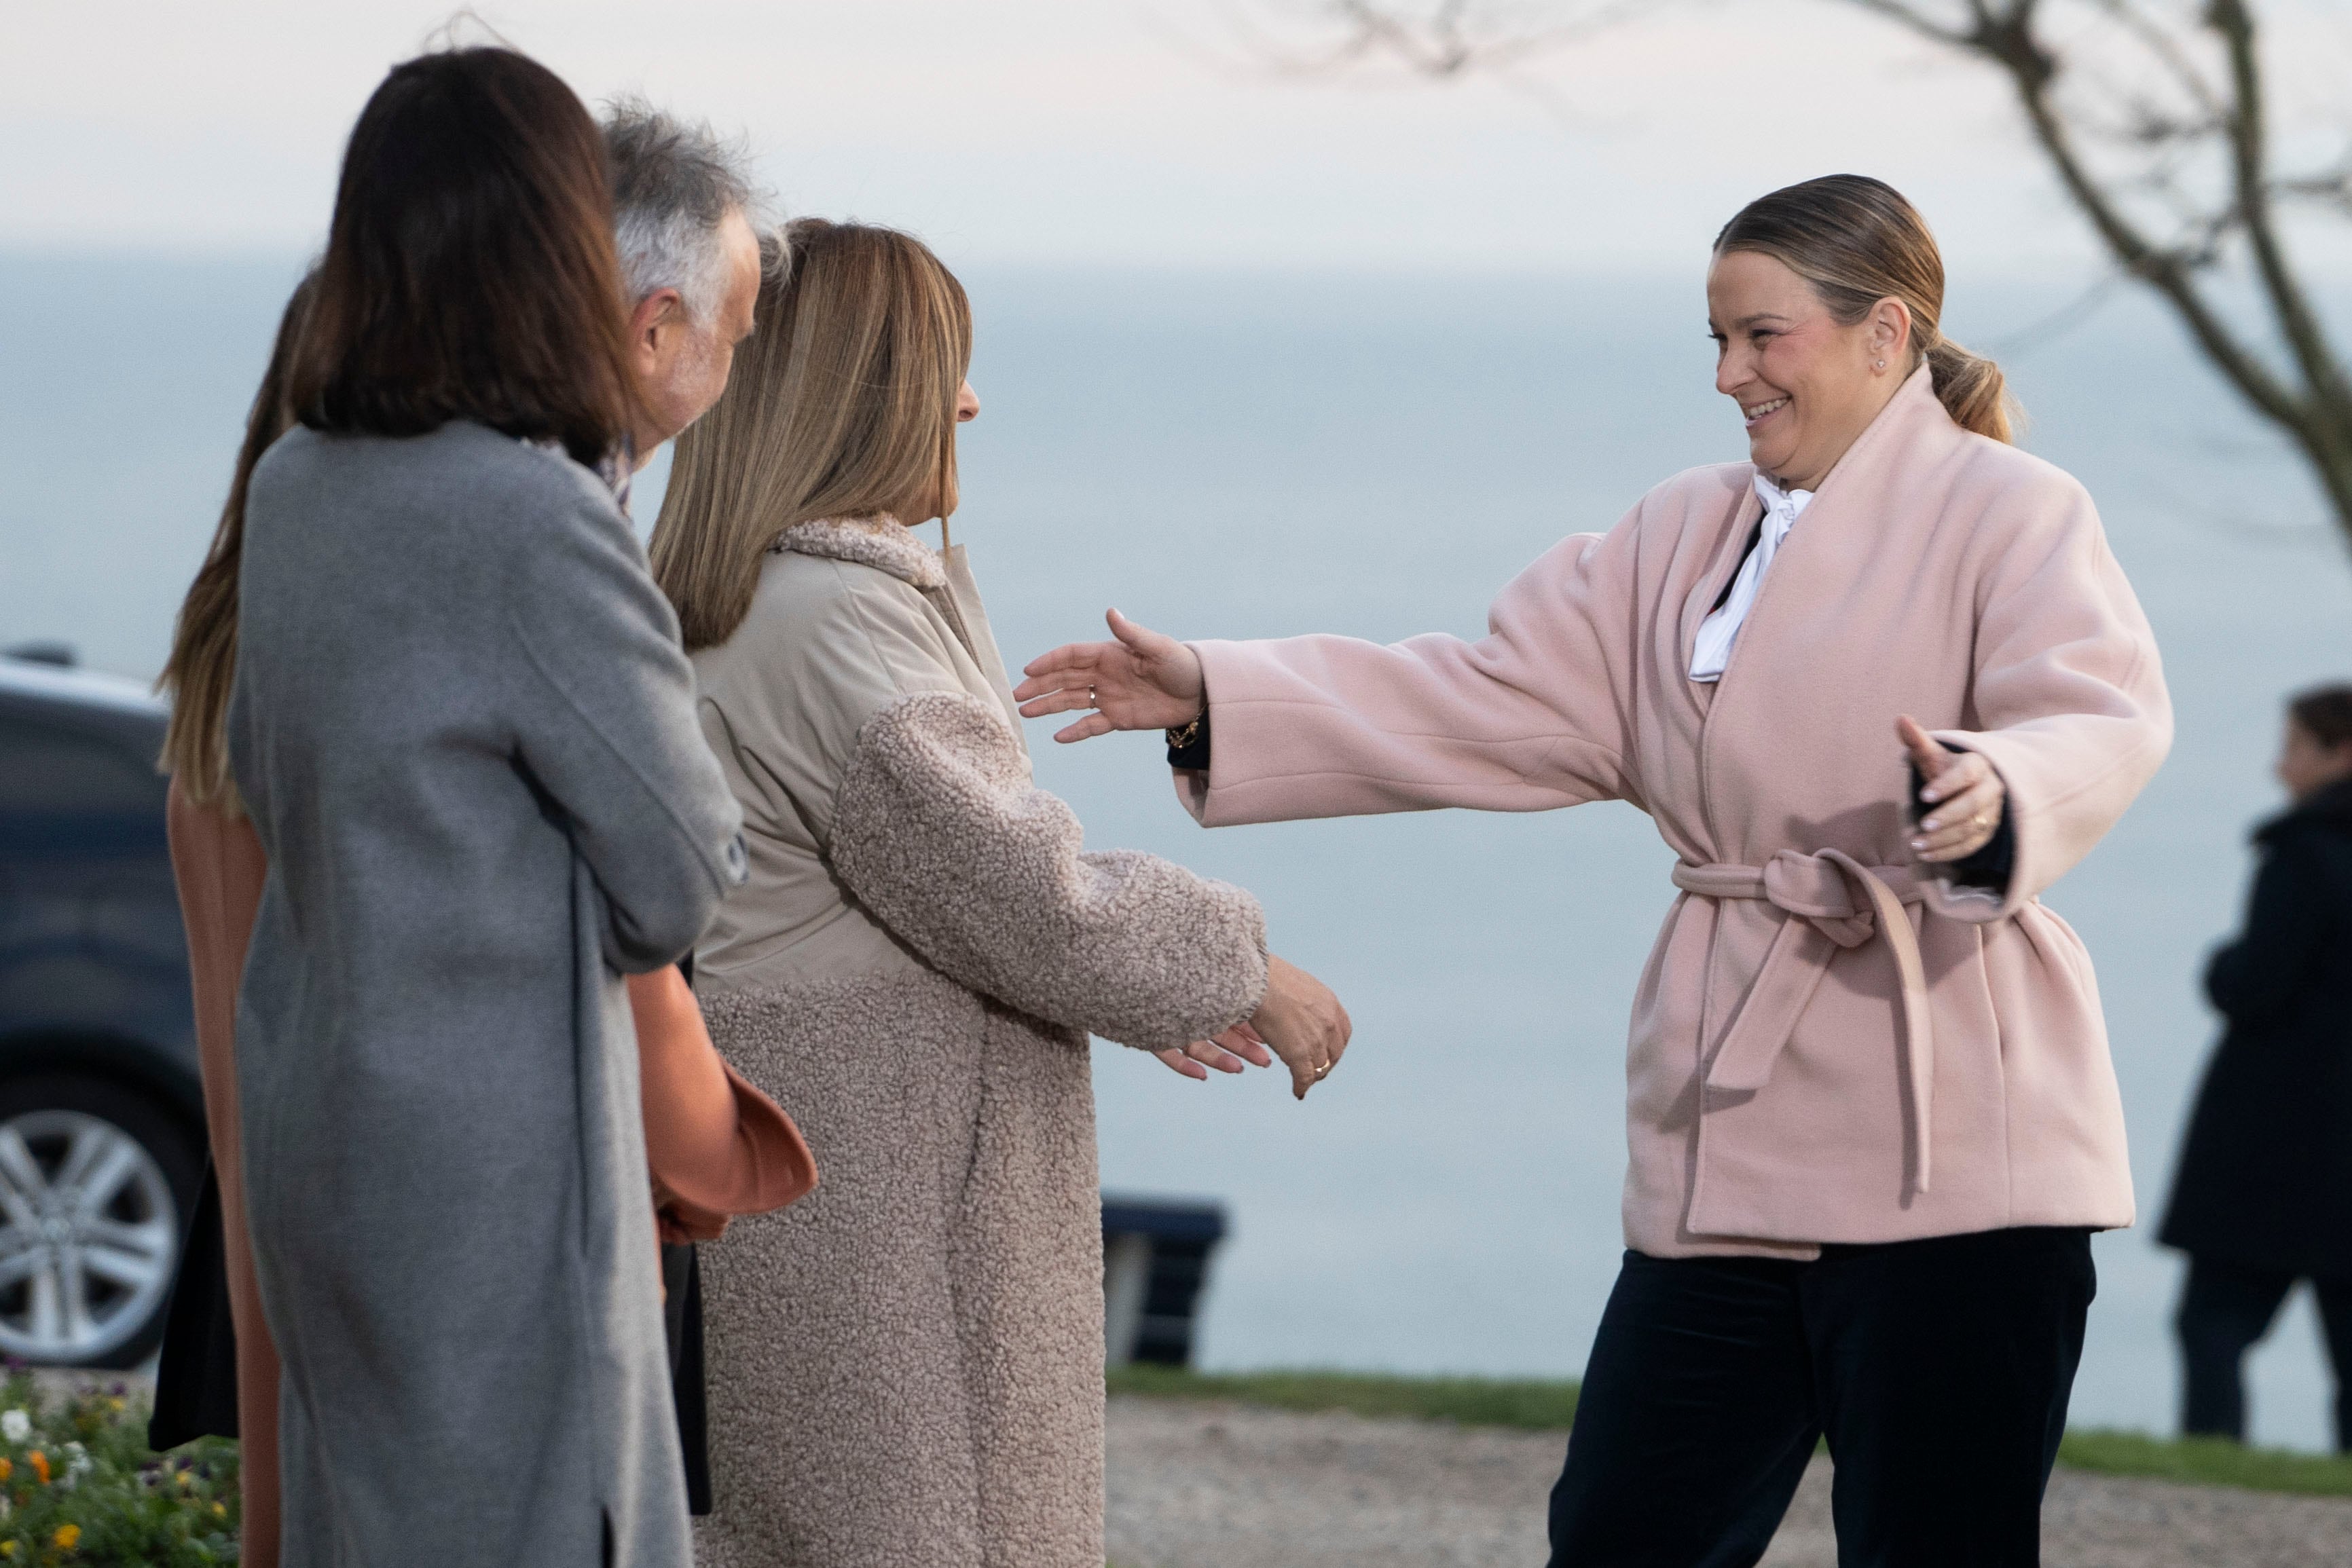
1528 1405
2206 1461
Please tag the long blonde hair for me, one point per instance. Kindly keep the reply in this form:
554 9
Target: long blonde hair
1857 242
204 639
841 404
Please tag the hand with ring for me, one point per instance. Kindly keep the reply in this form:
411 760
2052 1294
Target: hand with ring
1303 1022
1140 680
1963 794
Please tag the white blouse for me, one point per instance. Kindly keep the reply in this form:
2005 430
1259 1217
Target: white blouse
1720 630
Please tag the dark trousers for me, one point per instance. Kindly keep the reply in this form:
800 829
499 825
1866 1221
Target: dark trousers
2226 1309
1937 1370
682 1328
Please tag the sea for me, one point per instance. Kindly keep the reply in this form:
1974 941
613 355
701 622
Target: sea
1234 455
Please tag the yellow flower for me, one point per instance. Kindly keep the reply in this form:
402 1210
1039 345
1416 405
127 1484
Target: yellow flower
116 1405
66 1536
7 1469
40 1463
8 1549
187 1478
221 1509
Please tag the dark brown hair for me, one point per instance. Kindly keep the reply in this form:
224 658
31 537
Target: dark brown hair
2325 712
469 271
841 404
204 639
1857 242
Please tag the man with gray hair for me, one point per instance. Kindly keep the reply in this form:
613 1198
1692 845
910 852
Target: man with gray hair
691 263
689 260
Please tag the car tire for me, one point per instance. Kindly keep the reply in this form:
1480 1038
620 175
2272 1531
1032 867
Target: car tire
97 1182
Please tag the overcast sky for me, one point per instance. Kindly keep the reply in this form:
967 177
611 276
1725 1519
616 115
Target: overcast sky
1077 132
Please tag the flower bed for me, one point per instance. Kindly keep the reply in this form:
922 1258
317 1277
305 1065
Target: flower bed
78 1485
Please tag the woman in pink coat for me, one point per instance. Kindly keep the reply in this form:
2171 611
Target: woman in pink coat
1879 687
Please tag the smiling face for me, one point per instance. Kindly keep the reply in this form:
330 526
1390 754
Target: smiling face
1807 385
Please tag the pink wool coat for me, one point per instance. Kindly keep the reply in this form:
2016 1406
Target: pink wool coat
1830 1044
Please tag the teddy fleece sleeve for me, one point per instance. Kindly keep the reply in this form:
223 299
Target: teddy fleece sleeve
1533 715
2069 697
939 831
604 722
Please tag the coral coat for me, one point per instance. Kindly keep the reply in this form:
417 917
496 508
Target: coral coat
217 862
1829 1043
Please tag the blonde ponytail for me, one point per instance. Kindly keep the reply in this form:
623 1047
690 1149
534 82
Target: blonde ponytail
1973 390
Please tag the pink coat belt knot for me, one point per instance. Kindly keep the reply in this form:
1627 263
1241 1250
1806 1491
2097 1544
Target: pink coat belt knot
1832 902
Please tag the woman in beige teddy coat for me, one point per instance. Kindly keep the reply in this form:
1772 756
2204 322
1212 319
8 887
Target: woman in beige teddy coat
908 1367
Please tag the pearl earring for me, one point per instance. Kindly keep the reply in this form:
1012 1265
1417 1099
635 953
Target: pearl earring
1880 363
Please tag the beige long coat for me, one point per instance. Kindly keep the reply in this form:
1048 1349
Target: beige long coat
906 1368
1830 1044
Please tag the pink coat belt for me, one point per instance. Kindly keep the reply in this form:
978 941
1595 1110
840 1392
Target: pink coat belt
1832 902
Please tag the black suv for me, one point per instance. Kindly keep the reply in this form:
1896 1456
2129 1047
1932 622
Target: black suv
101 1107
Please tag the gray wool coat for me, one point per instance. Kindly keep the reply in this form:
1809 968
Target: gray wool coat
466 733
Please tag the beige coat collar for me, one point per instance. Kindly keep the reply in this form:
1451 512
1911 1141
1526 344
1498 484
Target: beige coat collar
885 545
882 543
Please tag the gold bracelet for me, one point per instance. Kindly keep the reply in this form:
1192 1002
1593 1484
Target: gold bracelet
1178 739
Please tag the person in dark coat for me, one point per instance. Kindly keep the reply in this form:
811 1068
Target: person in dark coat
2263 1197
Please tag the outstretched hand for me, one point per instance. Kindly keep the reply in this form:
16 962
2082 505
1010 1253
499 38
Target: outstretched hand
1962 791
1141 680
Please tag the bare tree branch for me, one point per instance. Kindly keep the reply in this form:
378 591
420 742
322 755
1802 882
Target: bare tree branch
2299 322
1921 23
1438 39
2170 53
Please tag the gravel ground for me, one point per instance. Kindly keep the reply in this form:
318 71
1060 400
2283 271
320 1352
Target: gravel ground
1198 1485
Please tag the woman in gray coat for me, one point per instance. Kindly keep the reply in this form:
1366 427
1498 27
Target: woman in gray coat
463 729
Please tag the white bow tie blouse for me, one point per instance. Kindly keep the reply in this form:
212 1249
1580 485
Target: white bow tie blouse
1720 630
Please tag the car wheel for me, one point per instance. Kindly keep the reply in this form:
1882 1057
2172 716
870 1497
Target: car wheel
96 1183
